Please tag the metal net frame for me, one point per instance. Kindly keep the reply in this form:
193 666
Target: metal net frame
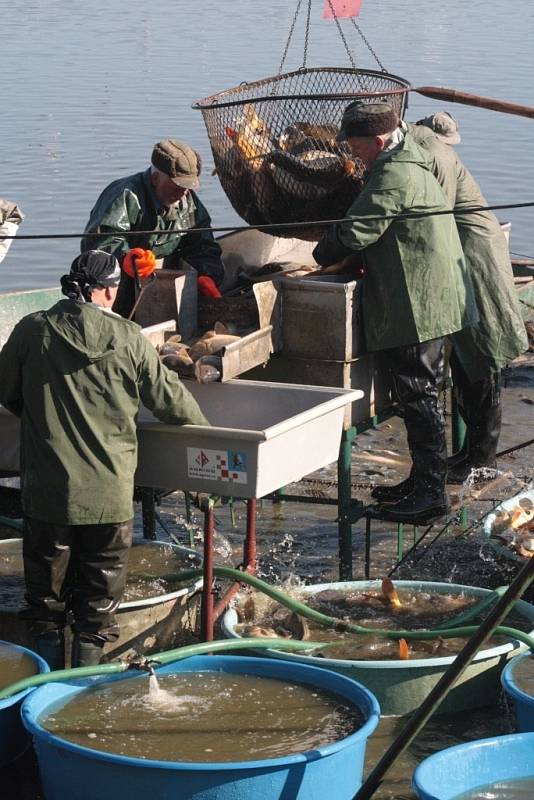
275 149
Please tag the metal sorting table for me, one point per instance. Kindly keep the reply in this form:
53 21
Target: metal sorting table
263 437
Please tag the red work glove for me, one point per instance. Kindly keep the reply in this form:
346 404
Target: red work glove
207 286
144 260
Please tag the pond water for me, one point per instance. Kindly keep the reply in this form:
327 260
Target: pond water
88 88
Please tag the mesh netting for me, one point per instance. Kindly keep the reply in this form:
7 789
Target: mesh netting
275 149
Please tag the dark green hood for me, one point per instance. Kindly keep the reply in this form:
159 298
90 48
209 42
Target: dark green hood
89 329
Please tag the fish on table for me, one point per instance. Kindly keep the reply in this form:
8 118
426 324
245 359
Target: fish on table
516 527
198 360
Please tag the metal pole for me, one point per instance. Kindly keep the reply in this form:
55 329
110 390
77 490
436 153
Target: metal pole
344 497
249 559
400 540
415 724
249 549
207 590
148 512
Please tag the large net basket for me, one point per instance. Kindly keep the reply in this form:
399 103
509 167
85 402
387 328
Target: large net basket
275 149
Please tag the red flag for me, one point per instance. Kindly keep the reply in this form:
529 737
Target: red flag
341 8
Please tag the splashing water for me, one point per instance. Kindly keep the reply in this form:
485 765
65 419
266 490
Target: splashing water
164 700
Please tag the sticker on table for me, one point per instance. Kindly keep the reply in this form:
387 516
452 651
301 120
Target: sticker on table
229 466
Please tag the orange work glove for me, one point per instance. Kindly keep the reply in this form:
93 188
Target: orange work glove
144 260
207 286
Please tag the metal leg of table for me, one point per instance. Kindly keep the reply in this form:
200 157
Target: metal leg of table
206 617
249 558
148 511
458 435
249 548
400 540
344 492
367 562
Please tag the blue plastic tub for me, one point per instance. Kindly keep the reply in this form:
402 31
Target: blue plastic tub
523 702
449 773
13 738
69 770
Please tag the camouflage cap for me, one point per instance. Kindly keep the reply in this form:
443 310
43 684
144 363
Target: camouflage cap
179 161
444 126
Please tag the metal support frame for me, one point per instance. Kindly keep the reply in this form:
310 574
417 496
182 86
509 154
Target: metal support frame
458 430
206 614
344 501
210 611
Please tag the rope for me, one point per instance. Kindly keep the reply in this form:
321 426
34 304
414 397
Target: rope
306 36
268 226
382 67
342 37
513 449
521 255
290 36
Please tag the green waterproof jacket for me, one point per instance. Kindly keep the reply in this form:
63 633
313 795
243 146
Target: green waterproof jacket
129 204
499 336
76 376
416 287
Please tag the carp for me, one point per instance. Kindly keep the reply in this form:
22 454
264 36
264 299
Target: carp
208 346
172 348
516 528
208 369
307 135
390 593
250 137
314 173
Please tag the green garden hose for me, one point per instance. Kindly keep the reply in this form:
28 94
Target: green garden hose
155 660
341 625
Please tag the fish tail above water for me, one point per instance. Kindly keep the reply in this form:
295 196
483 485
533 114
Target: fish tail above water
390 593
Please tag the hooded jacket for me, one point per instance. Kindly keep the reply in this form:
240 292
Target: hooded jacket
416 286
76 376
499 336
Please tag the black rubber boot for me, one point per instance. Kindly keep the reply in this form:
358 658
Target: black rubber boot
388 494
418 375
51 646
485 419
85 654
418 507
461 456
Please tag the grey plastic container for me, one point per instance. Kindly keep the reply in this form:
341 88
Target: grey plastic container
401 686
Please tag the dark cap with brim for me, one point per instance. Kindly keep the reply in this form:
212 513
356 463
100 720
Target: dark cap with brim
178 161
97 268
367 119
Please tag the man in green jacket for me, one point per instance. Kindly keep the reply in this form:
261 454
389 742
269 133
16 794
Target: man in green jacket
415 291
159 199
76 376
479 352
